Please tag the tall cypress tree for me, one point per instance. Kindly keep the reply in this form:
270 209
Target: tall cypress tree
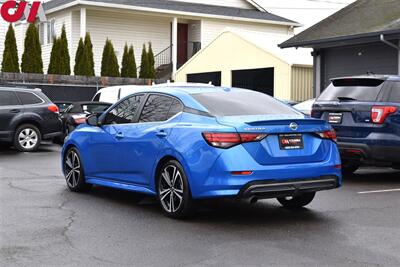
65 60
32 56
128 63
10 55
151 73
54 65
125 62
133 63
80 59
144 65
89 66
109 62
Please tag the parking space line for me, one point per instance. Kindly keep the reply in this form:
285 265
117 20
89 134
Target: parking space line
379 191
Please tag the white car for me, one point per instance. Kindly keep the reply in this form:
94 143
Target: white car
305 107
115 93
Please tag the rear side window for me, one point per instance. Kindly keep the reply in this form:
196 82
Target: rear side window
160 108
8 98
363 90
96 98
29 98
395 93
242 103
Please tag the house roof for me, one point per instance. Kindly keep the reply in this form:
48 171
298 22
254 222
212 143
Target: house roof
363 18
163 5
268 43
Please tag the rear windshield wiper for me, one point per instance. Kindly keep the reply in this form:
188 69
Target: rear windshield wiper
345 98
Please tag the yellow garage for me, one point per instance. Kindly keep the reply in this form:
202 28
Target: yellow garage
252 60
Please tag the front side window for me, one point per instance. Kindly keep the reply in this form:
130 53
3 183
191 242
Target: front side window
8 98
124 112
158 108
29 98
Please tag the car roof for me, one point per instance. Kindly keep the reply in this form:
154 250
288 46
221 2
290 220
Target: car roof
21 89
185 93
90 103
371 76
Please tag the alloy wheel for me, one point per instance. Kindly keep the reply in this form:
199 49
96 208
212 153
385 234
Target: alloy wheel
72 169
171 188
28 138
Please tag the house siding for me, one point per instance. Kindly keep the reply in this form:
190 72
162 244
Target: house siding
230 3
302 83
212 28
136 30
377 58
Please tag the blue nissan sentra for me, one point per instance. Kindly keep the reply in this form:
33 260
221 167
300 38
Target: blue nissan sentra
187 143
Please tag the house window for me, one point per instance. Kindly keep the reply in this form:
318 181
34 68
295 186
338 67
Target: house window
41 33
51 32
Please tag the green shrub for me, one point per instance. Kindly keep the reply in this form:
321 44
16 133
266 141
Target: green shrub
32 56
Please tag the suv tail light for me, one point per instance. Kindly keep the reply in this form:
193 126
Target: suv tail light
329 135
380 113
228 140
53 108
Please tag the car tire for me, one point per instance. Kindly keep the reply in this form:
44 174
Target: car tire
27 138
174 196
74 173
297 202
349 167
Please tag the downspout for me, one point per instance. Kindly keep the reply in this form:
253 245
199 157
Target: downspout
383 40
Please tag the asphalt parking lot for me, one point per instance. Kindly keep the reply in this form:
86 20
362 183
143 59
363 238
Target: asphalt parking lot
43 224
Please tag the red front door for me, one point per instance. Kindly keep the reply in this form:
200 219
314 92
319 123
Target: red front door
182 44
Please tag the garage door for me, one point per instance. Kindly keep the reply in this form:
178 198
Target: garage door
205 77
261 80
376 58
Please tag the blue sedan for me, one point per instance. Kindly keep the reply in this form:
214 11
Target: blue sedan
182 144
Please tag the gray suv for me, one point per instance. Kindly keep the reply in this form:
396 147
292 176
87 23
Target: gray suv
27 117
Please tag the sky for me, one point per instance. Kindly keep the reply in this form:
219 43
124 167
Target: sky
306 12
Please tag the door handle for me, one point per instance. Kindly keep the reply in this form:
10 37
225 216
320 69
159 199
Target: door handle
161 134
119 135
15 111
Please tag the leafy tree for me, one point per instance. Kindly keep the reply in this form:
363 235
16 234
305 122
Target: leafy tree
144 65
80 59
109 62
10 55
128 63
89 65
32 56
151 73
65 60
54 65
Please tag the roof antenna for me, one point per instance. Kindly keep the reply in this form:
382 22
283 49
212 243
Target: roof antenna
210 83
370 73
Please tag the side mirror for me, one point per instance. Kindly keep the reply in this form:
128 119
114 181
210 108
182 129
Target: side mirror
93 120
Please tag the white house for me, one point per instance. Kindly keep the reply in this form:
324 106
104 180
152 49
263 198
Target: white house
177 29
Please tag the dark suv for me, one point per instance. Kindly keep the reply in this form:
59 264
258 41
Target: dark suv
27 117
365 112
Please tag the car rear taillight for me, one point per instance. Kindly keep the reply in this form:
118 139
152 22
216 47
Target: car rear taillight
380 113
227 140
79 119
53 108
329 135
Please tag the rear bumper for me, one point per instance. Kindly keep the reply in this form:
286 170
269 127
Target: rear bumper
370 150
276 189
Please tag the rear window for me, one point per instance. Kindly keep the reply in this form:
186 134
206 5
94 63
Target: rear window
363 90
242 104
